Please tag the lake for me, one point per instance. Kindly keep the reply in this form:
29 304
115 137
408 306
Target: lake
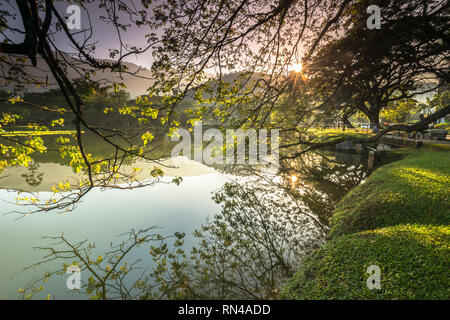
101 216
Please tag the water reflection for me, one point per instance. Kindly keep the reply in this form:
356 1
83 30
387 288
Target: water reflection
33 178
247 251
258 227
57 179
321 180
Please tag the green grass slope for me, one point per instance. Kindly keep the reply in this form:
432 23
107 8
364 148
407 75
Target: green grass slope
413 259
415 189
398 220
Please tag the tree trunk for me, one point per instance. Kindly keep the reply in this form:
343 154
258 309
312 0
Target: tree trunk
347 123
374 118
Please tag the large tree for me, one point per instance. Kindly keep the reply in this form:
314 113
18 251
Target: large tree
346 67
35 38
371 68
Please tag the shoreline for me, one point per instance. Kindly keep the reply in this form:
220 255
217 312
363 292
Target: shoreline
399 220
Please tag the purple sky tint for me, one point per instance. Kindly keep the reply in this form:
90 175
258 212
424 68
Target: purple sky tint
104 34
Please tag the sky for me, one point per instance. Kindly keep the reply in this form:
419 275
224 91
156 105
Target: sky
104 34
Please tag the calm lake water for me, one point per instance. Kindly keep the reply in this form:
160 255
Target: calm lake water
101 216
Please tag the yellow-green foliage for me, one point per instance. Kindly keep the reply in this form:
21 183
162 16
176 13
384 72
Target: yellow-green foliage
443 126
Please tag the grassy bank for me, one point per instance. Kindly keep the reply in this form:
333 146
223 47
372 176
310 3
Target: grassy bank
25 133
325 135
399 220
412 190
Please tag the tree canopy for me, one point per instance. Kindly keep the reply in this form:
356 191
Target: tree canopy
236 62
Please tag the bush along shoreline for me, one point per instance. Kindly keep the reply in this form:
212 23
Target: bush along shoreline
398 220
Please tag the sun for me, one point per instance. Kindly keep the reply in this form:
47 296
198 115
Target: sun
297 67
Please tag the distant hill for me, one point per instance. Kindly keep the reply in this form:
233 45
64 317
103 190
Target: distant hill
136 85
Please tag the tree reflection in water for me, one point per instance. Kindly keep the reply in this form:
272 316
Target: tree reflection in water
267 225
321 181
